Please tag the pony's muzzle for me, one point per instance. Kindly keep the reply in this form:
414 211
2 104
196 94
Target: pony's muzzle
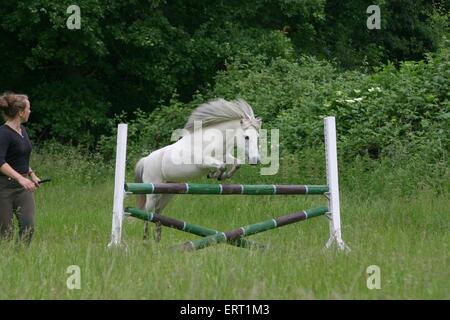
255 160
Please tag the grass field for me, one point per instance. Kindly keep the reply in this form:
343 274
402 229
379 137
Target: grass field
403 231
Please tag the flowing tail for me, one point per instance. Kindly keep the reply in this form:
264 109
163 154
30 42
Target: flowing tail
138 171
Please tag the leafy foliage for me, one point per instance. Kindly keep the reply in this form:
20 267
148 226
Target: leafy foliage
138 54
377 113
146 132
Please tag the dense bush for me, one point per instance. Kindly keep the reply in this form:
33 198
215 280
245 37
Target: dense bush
409 29
392 113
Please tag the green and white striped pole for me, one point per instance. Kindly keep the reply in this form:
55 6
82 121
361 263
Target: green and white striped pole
224 189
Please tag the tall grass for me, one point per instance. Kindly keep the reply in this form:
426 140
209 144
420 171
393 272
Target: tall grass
388 219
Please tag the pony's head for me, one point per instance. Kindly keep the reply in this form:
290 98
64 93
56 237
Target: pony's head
250 134
238 111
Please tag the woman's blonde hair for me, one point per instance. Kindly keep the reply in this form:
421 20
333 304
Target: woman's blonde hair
11 103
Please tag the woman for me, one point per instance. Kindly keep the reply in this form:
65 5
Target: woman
16 190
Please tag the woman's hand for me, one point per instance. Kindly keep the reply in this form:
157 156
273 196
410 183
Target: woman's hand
28 184
35 179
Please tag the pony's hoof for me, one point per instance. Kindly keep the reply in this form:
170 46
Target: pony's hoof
157 237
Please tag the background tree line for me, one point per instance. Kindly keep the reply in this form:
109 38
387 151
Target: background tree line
141 60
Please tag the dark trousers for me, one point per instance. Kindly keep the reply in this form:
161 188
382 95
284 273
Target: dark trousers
15 200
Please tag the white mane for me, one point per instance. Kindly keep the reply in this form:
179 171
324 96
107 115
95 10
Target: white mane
221 110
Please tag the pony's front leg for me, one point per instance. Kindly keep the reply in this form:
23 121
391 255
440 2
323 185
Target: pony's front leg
229 173
216 167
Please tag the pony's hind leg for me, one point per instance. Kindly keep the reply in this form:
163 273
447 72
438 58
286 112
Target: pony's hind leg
150 206
141 205
145 238
157 231
162 202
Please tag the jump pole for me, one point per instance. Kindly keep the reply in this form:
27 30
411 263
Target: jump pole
187 227
255 228
224 189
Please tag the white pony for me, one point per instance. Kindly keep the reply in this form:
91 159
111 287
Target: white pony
206 147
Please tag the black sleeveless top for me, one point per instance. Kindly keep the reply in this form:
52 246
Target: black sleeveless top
15 149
